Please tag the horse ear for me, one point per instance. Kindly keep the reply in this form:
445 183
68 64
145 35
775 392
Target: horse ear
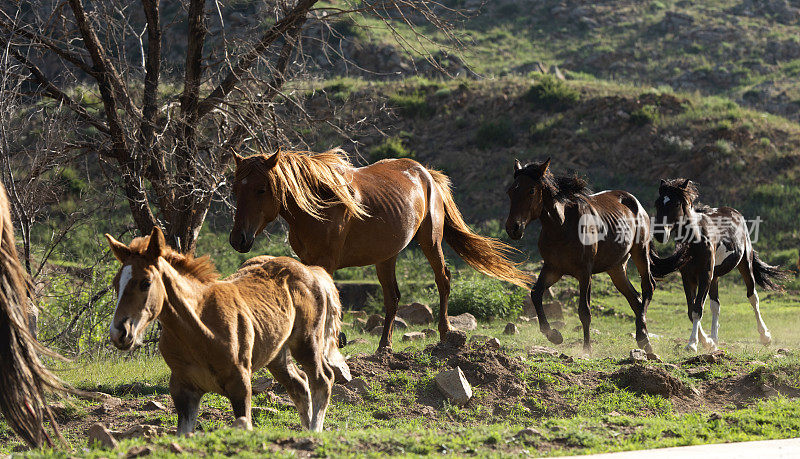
272 161
545 165
663 182
157 245
686 183
517 165
237 158
121 251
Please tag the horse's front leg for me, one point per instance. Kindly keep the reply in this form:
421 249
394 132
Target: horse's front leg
547 277
696 309
585 285
187 403
238 390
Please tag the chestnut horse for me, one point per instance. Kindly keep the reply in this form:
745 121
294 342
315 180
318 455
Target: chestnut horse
24 381
718 241
217 333
340 216
585 234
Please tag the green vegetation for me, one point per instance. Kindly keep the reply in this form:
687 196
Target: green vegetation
647 114
493 134
392 147
485 298
550 93
412 105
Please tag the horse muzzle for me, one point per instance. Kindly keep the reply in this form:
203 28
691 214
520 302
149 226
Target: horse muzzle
515 230
241 241
123 334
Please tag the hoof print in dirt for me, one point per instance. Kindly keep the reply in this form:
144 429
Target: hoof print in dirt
454 386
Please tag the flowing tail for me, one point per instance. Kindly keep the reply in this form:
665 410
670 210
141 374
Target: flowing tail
766 275
661 267
485 254
333 325
23 378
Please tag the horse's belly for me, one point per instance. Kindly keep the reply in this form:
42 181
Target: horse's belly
378 238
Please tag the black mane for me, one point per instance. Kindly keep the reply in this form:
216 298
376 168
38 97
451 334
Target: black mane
561 187
685 188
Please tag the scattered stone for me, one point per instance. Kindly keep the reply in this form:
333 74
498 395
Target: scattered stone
373 321
638 355
176 448
430 333
511 329
359 385
542 350
100 433
262 384
466 322
154 405
400 324
413 336
456 338
524 319
493 343
242 423
528 432
377 331
140 431
453 384
139 451
416 313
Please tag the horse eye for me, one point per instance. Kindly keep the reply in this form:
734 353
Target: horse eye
533 191
262 191
144 285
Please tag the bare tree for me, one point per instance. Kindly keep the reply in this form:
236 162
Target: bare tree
165 132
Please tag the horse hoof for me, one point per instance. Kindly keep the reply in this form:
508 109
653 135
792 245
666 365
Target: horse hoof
645 345
555 336
691 348
766 339
342 340
383 350
242 423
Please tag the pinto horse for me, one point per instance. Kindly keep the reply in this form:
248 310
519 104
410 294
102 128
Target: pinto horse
585 234
217 333
718 241
24 381
340 216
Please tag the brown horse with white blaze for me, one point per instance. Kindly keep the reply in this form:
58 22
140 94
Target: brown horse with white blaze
217 333
340 216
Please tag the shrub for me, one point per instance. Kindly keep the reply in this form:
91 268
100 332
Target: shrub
551 93
484 298
391 147
495 133
647 114
411 105
723 146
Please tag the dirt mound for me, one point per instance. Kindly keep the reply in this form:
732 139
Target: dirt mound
652 380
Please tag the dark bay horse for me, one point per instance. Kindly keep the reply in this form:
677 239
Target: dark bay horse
585 234
24 381
217 333
718 241
340 216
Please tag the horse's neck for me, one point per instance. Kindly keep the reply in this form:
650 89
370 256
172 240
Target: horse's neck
691 226
553 213
182 302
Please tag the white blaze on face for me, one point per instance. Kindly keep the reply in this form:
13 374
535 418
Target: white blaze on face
124 278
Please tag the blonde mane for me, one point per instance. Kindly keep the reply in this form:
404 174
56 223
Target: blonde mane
303 176
202 269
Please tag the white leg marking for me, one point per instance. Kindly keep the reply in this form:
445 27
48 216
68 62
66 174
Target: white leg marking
715 321
124 278
692 346
766 337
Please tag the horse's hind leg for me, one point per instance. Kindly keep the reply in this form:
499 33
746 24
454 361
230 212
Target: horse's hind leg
187 403
619 277
547 277
713 295
391 297
746 269
585 287
295 382
320 379
641 258
431 246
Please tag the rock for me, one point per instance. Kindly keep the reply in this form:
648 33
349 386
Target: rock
377 331
466 322
242 423
139 451
456 338
373 321
262 384
176 448
99 433
524 319
400 324
638 355
416 313
478 338
359 385
140 431
528 432
511 329
493 343
413 336
454 386
542 350
154 405
430 333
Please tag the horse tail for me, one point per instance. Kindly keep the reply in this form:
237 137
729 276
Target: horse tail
485 254
661 267
766 275
23 378
333 327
